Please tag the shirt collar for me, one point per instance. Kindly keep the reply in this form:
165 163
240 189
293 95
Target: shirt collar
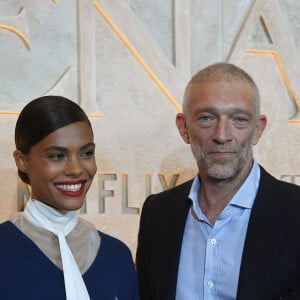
248 188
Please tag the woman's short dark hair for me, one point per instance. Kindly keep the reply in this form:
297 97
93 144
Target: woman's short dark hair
41 117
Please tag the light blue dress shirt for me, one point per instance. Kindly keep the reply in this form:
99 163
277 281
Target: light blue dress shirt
211 255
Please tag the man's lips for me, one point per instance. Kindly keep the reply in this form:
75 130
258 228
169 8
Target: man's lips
71 188
221 154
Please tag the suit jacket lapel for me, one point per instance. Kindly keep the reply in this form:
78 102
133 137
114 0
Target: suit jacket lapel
262 239
171 246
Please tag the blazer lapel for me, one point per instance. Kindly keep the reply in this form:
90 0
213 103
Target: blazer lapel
262 240
170 245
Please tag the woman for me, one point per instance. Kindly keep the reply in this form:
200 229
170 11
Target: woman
46 252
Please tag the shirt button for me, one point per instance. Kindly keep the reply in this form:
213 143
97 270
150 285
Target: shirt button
213 241
210 284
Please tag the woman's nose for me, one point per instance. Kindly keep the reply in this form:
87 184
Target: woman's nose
73 167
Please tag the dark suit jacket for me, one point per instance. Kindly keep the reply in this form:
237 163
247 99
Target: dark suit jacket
270 267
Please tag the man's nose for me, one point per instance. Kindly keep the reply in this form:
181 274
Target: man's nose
222 133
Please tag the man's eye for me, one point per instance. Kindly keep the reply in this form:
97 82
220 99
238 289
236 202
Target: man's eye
205 118
241 119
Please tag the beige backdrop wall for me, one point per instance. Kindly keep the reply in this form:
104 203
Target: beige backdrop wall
127 63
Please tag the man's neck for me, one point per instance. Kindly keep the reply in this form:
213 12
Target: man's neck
214 195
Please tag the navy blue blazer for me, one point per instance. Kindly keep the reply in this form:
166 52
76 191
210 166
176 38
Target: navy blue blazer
27 273
270 266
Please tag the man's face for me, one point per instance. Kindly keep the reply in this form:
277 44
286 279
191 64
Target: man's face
221 125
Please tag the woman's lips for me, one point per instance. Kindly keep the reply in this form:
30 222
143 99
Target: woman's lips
73 189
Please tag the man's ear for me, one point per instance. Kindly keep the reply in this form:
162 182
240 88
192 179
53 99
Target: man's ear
20 161
260 127
182 127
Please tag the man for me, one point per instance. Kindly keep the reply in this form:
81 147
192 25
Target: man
232 232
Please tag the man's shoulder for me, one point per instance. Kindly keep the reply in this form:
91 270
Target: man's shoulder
279 185
180 189
176 196
286 194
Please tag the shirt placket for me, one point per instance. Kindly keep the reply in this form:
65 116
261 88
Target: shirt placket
211 265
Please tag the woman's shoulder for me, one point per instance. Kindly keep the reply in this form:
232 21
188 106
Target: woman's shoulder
109 245
112 242
7 228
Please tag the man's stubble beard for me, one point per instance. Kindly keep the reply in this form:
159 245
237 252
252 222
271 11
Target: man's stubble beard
222 169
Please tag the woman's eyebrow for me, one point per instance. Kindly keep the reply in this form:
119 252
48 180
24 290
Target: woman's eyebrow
64 149
56 148
88 145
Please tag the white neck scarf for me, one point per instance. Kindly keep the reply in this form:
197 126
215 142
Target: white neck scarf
61 223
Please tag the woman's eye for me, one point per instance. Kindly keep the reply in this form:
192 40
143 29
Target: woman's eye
56 156
87 154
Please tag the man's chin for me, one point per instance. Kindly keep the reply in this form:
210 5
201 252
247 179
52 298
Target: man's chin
221 172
